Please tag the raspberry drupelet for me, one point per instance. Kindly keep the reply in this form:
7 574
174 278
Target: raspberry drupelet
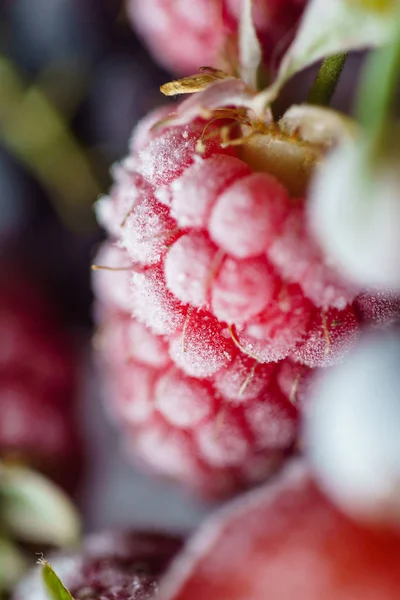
214 304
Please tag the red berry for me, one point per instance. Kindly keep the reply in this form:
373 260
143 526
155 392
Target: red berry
285 541
331 335
295 381
111 279
381 307
243 379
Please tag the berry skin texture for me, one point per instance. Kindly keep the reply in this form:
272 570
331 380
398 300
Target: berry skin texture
206 343
248 216
277 542
110 566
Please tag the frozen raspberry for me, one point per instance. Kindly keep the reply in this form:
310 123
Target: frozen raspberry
285 541
297 258
331 335
110 566
204 180
248 216
203 347
274 333
184 37
154 305
194 325
380 307
147 128
296 381
38 382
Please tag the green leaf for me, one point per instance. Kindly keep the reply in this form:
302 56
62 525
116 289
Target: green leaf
332 27
33 509
54 587
12 564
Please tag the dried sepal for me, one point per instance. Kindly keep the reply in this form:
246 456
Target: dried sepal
250 52
194 83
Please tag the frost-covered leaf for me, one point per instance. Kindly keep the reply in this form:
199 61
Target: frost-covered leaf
250 53
35 510
55 589
317 125
12 564
334 26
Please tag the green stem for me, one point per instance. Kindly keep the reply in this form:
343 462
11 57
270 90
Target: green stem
377 92
327 79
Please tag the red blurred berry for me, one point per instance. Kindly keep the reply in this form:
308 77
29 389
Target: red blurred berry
285 541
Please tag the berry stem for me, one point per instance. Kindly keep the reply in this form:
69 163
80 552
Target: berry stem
377 92
327 79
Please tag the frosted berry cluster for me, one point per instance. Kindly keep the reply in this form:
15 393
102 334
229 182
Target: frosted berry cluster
37 383
215 306
183 35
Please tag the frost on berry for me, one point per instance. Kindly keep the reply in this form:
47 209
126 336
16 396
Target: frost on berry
285 540
248 215
195 192
153 304
111 279
241 289
295 381
274 333
297 258
112 210
223 442
147 231
149 127
131 398
202 347
171 152
352 430
122 338
243 379
272 420
184 401
330 336
378 307
166 450
190 266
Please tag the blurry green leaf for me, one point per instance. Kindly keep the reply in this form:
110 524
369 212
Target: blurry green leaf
54 587
35 510
12 564
35 132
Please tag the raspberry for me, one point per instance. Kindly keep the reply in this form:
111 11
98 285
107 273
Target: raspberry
110 566
331 335
298 259
183 37
274 333
37 383
247 216
285 550
191 334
